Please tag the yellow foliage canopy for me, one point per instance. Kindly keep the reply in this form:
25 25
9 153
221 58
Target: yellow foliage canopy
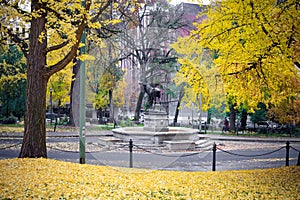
60 83
200 74
255 46
118 93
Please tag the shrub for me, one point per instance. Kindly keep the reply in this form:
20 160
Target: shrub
10 120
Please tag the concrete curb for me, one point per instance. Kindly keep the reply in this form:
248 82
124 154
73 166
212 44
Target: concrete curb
249 139
216 137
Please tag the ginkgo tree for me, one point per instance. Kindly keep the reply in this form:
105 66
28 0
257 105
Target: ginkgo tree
104 73
255 48
60 84
55 31
201 76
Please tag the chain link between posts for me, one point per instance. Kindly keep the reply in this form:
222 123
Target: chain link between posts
295 149
11 146
131 145
165 155
256 155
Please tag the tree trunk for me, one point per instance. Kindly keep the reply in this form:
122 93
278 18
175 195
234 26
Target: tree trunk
181 94
38 74
176 113
244 119
209 114
232 118
111 106
139 105
34 141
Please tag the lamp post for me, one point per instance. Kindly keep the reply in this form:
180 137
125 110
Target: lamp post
200 114
51 106
82 100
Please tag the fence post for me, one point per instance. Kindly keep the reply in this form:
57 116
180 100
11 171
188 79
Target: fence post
130 153
214 157
287 157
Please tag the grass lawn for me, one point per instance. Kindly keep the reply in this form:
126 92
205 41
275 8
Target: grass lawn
11 128
51 179
16 128
19 128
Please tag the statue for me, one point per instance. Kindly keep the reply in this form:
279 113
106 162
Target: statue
153 92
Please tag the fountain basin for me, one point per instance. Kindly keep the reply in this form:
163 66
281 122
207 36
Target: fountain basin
141 136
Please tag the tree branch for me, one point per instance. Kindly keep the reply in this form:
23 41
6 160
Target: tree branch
94 19
16 7
225 31
73 52
16 39
53 48
59 16
252 66
297 65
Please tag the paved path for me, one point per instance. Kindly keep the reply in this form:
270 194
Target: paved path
64 146
200 161
219 137
222 137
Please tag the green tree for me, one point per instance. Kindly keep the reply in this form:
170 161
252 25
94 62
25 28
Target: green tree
260 114
12 82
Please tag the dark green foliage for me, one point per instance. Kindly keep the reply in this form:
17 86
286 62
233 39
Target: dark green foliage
260 114
12 82
9 120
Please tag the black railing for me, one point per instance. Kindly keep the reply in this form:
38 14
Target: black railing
214 150
214 153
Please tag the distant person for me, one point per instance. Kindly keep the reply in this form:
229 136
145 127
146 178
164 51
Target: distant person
226 125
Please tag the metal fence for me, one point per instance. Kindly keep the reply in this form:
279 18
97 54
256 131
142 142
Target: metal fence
131 146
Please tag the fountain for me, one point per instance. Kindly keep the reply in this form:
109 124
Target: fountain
156 130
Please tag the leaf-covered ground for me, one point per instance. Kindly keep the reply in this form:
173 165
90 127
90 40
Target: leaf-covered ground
52 179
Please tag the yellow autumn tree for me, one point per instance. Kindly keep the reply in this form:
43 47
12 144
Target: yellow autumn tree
288 112
200 74
255 46
49 35
60 83
104 74
195 86
106 84
119 93
109 84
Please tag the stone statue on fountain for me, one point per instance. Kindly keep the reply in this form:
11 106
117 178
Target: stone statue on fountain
154 93
156 117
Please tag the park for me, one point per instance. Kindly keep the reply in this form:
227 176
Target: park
149 100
